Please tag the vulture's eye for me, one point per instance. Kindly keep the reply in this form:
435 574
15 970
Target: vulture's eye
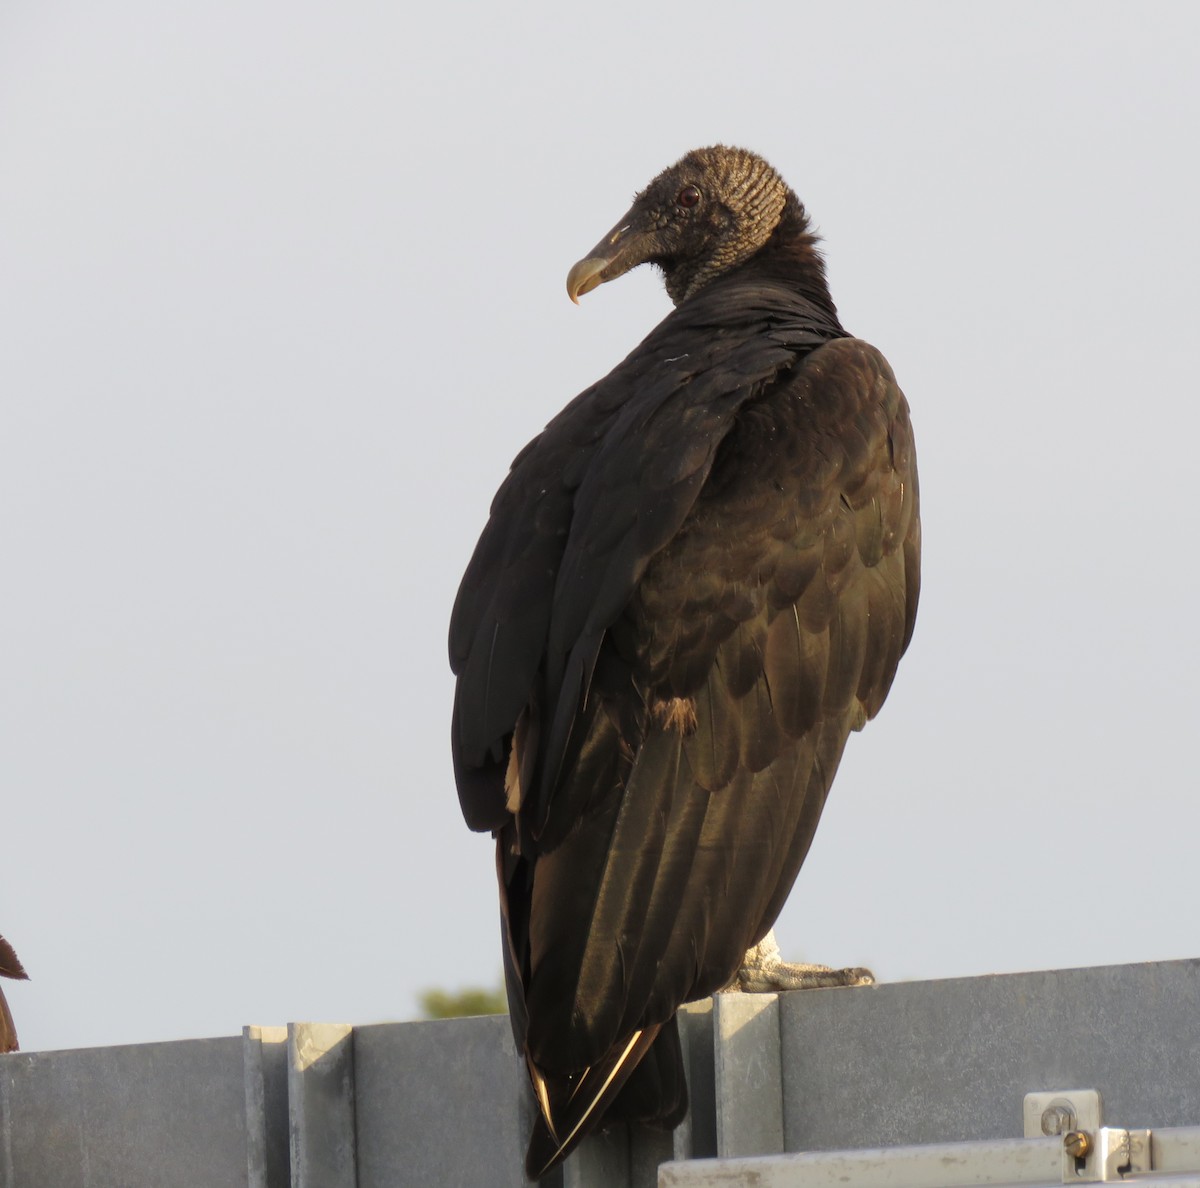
688 196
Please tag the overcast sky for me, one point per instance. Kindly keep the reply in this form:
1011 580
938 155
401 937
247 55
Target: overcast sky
282 294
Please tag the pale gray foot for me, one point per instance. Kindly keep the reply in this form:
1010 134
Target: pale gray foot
764 971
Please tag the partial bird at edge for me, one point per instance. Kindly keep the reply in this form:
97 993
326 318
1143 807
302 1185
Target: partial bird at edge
10 967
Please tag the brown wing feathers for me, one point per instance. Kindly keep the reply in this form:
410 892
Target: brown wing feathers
10 967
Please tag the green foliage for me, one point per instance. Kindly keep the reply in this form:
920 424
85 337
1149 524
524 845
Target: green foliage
442 1004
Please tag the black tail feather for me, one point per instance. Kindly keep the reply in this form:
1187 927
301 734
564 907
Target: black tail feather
656 1093
640 1081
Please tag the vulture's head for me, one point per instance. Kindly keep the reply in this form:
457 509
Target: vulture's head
707 213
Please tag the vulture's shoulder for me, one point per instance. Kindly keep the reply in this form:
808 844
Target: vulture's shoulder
596 495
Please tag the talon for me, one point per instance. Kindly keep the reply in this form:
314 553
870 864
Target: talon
782 975
764 972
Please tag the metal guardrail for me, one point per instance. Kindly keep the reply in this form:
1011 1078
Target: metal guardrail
891 1073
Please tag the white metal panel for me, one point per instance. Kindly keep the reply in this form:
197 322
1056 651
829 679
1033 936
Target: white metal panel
1176 1160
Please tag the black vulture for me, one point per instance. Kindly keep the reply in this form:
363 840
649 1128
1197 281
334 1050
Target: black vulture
10 967
694 583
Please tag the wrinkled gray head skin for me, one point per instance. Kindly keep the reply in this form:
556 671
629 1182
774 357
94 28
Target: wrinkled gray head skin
712 209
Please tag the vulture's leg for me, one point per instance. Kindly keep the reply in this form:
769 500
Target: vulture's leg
764 971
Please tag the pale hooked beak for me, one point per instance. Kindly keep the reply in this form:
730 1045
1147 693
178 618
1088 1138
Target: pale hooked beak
619 251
